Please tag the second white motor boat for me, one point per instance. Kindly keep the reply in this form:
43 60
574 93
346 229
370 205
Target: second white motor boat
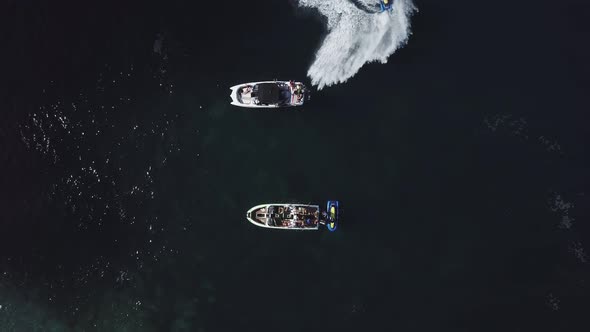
293 216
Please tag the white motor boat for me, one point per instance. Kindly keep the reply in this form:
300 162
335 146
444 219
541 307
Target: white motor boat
269 94
295 216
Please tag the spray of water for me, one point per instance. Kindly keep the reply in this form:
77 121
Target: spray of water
357 34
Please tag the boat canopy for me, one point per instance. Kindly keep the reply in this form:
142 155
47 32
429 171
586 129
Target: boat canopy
267 93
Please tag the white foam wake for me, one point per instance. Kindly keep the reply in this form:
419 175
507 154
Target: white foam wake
356 37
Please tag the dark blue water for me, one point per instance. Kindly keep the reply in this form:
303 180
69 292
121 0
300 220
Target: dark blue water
460 165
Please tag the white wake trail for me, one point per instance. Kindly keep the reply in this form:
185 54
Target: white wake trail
356 37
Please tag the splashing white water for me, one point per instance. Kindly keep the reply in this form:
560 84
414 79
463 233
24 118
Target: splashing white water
356 36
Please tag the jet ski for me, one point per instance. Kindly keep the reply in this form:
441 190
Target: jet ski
332 215
301 217
385 5
269 94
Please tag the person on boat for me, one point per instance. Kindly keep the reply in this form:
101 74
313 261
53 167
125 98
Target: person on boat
310 222
297 92
245 92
